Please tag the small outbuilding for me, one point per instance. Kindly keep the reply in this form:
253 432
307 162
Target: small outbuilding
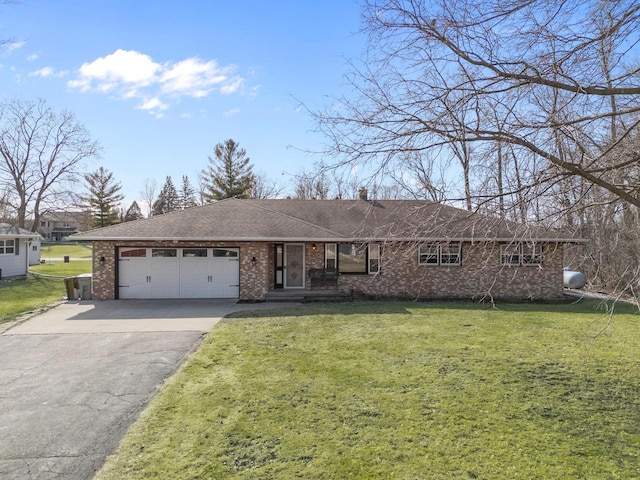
19 248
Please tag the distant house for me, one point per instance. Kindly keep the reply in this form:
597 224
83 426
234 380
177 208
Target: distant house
19 248
246 249
58 226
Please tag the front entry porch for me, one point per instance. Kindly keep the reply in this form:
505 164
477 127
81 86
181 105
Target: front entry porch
305 296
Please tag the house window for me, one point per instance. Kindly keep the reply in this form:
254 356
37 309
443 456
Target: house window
447 254
526 254
374 258
7 247
352 257
330 256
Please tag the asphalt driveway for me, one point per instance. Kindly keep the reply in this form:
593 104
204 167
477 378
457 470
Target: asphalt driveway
73 379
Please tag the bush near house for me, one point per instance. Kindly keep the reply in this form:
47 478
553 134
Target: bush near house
400 390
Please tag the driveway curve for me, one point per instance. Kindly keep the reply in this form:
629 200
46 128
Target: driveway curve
73 379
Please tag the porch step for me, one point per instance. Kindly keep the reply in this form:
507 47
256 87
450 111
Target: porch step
305 296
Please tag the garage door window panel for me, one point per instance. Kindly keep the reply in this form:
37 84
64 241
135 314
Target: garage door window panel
194 252
225 252
134 253
164 252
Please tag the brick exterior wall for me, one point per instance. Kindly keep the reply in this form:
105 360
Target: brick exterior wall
479 276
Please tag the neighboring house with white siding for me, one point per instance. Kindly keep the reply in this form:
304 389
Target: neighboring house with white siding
19 248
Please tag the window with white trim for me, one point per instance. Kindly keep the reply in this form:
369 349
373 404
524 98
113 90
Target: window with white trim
7 247
374 258
525 254
445 254
330 256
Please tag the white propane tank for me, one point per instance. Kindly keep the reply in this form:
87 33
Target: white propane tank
573 279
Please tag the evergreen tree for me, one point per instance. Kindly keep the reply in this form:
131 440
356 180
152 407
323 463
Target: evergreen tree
168 199
228 174
133 212
103 198
187 194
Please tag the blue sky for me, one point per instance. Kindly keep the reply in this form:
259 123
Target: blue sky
159 83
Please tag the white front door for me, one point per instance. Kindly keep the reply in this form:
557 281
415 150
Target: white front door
294 265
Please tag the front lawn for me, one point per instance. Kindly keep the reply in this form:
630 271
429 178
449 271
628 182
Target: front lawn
72 250
30 293
44 285
61 269
399 390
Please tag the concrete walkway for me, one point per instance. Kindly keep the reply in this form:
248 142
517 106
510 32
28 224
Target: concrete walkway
73 379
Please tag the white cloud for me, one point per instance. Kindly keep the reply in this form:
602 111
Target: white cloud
130 74
232 112
232 86
12 46
33 57
125 69
153 104
45 72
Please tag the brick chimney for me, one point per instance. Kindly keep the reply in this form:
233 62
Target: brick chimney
363 193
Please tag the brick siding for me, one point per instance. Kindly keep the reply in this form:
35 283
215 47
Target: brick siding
479 276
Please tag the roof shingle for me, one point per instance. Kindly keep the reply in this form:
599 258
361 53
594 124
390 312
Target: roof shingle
322 220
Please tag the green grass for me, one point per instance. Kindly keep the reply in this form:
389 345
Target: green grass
61 269
35 291
27 294
72 250
399 390
53 255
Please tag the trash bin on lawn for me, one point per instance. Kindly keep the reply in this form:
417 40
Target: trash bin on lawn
78 288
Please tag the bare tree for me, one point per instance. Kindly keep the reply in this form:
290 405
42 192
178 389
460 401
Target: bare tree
264 187
148 194
41 153
310 185
527 49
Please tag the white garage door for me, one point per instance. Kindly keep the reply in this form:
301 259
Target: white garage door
179 273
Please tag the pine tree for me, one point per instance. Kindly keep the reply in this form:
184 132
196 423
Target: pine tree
103 198
228 174
168 199
133 212
187 194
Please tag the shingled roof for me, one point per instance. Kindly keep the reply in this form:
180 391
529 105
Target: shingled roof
322 221
7 230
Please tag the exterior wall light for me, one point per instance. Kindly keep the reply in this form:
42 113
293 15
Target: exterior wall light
253 261
102 261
